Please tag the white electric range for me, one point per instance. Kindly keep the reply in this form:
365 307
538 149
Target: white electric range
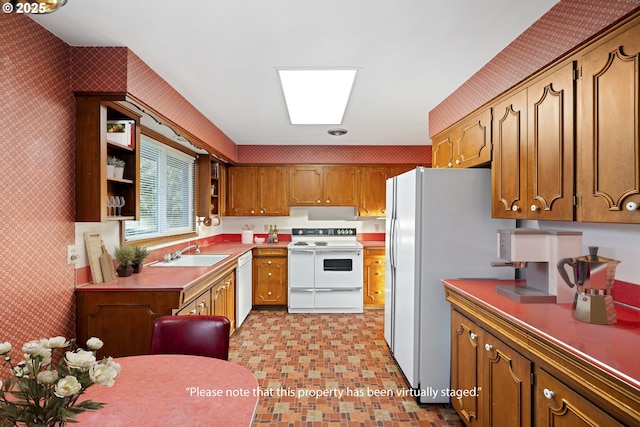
325 271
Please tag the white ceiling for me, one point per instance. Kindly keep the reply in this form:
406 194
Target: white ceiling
221 55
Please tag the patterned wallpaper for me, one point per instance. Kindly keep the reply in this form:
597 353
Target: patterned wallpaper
564 27
118 69
334 154
37 190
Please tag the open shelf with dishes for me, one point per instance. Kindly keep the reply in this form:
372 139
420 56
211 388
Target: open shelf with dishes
107 135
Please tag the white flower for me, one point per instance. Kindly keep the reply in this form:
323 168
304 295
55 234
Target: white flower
81 359
109 362
94 343
21 370
47 377
103 375
32 347
56 342
67 386
5 347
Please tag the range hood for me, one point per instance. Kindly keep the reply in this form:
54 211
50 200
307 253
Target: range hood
328 213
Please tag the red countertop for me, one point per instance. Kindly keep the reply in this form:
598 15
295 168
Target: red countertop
176 278
612 348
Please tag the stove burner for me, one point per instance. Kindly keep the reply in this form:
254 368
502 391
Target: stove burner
321 243
301 244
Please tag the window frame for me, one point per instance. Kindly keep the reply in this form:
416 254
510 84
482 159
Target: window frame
174 237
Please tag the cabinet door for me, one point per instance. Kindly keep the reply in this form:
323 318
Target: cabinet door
609 173
273 191
473 141
550 146
230 296
218 300
270 281
466 352
242 191
341 185
559 406
373 189
442 151
305 186
506 390
374 269
508 169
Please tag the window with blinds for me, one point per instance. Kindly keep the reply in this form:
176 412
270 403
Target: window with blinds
167 188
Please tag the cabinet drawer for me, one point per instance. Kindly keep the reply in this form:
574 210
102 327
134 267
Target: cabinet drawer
270 252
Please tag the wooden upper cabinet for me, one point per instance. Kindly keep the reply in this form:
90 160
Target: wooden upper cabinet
257 190
468 144
93 186
550 146
373 188
508 171
314 185
609 173
533 150
273 190
242 191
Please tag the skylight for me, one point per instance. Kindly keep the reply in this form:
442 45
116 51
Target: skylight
316 96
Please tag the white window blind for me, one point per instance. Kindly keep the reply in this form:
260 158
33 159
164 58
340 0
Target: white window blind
167 188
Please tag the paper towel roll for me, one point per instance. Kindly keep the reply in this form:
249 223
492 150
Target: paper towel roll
247 237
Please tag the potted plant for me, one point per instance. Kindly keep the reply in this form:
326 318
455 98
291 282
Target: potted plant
119 168
124 255
111 166
139 254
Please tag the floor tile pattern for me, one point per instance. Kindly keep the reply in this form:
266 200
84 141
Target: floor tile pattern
328 370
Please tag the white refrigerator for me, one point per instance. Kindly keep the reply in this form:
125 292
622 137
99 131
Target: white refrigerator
438 226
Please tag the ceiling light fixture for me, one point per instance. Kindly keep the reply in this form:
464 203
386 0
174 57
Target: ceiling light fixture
316 96
337 132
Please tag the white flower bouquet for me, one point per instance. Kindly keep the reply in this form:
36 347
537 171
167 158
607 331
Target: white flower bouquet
40 392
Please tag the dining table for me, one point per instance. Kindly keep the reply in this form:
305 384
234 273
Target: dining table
174 390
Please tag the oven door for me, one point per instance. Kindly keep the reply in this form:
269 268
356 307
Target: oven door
338 269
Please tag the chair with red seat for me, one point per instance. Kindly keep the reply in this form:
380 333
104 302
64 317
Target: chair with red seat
193 335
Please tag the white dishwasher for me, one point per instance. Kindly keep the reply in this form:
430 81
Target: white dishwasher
243 287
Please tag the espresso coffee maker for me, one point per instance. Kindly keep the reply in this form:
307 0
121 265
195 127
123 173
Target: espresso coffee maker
535 253
593 277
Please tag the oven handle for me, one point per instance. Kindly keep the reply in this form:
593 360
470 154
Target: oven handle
337 289
301 289
301 250
333 251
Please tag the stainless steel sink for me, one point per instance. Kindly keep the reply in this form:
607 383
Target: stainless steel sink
203 260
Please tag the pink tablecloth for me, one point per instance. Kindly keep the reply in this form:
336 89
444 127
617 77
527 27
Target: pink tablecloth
175 390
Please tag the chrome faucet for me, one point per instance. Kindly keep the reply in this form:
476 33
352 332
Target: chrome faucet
178 254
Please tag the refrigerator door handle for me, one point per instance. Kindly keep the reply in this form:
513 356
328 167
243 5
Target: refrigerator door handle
394 243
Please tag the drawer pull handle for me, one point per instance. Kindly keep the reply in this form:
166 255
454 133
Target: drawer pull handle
548 393
488 347
269 274
269 262
473 336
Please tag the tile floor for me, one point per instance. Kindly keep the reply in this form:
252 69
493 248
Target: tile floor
325 369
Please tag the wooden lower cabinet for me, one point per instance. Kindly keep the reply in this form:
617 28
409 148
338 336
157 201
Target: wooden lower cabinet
522 379
557 405
493 379
270 285
123 319
374 277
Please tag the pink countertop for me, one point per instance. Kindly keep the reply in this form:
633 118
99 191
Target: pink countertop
612 348
175 390
176 278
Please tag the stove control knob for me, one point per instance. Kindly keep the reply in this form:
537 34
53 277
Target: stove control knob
299 232
320 232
